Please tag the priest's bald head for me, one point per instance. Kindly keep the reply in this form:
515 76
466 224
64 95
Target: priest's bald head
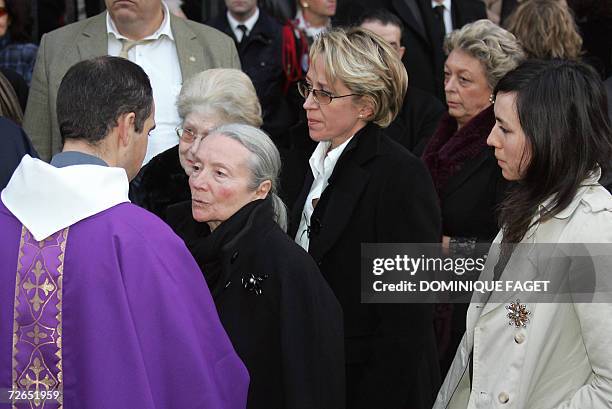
105 108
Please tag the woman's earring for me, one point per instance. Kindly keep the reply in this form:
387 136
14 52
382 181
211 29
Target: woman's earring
492 98
305 5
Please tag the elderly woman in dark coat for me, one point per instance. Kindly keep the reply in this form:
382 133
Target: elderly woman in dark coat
464 170
362 187
277 309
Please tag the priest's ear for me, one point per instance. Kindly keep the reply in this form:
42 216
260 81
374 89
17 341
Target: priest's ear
126 124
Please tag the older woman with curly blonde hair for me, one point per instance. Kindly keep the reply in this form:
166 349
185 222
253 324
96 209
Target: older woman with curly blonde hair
546 29
362 187
464 170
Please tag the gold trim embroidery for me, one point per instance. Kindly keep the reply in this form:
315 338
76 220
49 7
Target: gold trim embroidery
38 292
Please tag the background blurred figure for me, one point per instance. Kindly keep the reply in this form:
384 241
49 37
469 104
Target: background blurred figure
546 29
594 19
424 34
464 170
259 42
9 103
421 111
315 16
13 146
170 49
363 187
212 98
17 52
551 135
278 310
175 7
499 10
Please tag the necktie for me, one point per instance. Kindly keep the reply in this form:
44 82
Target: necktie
439 27
127 45
244 30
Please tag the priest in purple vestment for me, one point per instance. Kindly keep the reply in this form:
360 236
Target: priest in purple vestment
101 305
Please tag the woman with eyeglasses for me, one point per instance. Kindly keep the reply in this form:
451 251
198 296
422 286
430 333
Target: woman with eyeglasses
212 98
362 187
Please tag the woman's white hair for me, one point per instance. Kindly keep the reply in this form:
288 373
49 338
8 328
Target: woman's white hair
264 163
224 92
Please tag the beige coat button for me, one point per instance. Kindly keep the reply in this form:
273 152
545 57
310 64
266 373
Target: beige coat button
503 397
519 338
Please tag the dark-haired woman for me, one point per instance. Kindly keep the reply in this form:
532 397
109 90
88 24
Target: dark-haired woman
16 50
551 136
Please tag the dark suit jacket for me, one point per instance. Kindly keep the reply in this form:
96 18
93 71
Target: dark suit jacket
261 59
417 120
378 193
289 336
424 57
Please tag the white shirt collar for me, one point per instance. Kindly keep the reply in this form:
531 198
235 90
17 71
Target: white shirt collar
323 159
46 199
445 3
249 23
164 28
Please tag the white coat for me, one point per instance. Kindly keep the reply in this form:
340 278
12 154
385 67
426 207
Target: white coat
562 359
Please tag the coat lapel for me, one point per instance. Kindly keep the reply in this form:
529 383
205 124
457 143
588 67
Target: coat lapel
347 182
410 13
193 58
93 40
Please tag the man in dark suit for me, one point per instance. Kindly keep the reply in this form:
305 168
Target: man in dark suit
421 111
259 43
423 36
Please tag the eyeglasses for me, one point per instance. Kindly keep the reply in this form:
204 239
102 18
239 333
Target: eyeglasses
187 135
321 97
3 11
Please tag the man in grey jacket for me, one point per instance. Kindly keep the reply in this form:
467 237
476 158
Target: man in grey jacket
169 49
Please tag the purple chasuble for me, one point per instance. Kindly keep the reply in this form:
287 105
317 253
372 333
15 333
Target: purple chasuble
114 313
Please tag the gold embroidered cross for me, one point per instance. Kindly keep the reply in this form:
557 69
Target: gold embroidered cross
46 287
47 382
37 335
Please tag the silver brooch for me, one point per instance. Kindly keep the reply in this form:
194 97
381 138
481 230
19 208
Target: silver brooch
518 314
252 282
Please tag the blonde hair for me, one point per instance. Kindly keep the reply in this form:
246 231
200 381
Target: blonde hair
546 29
367 65
497 49
226 92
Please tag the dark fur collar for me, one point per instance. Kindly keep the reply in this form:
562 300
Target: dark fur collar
449 149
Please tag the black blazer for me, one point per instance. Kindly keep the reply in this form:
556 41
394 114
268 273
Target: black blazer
424 57
417 120
261 59
378 193
290 336
471 197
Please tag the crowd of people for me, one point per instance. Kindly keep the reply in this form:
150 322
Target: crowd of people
187 188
